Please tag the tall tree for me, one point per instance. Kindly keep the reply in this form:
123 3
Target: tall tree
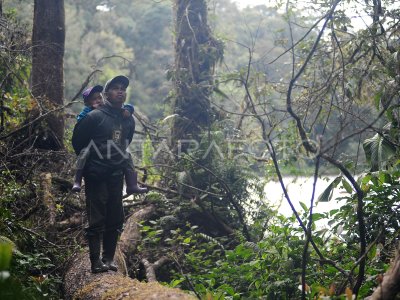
196 53
48 41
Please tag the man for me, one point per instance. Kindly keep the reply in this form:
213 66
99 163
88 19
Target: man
107 134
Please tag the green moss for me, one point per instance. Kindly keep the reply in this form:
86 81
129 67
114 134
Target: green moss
155 197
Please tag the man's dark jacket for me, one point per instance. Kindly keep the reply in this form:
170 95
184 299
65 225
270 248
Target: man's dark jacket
108 134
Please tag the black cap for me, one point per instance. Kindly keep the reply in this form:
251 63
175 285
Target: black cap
117 79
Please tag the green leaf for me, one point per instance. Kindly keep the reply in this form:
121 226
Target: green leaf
366 179
175 282
333 212
372 252
385 177
347 186
349 164
227 288
6 240
378 150
200 288
146 228
327 194
377 99
375 181
304 206
391 115
317 216
5 255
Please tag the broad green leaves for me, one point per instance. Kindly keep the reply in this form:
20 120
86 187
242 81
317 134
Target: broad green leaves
327 194
378 151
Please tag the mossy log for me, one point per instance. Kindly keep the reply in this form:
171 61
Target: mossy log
131 235
80 283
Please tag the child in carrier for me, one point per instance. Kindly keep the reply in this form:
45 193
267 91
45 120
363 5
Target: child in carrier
93 99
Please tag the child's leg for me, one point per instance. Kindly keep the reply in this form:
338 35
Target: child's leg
131 179
80 164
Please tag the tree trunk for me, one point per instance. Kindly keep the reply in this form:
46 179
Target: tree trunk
48 39
389 288
196 53
80 283
130 237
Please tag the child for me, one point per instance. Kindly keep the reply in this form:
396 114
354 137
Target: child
93 99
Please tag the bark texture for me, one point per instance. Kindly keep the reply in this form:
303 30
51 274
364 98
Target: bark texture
80 283
47 197
48 40
131 236
390 286
196 53
151 268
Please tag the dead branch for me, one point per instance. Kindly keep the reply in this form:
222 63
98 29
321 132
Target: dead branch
151 268
37 119
47 197
74 221
19 227
84 84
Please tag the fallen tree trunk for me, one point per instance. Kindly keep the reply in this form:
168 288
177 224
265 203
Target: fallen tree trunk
131 236
80 283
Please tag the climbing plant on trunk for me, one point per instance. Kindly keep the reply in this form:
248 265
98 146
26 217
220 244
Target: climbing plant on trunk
196 53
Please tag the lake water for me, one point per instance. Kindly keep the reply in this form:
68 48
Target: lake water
300 190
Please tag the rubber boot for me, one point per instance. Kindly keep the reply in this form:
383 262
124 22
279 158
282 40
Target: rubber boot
110 239
76 188
132 184
97 265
